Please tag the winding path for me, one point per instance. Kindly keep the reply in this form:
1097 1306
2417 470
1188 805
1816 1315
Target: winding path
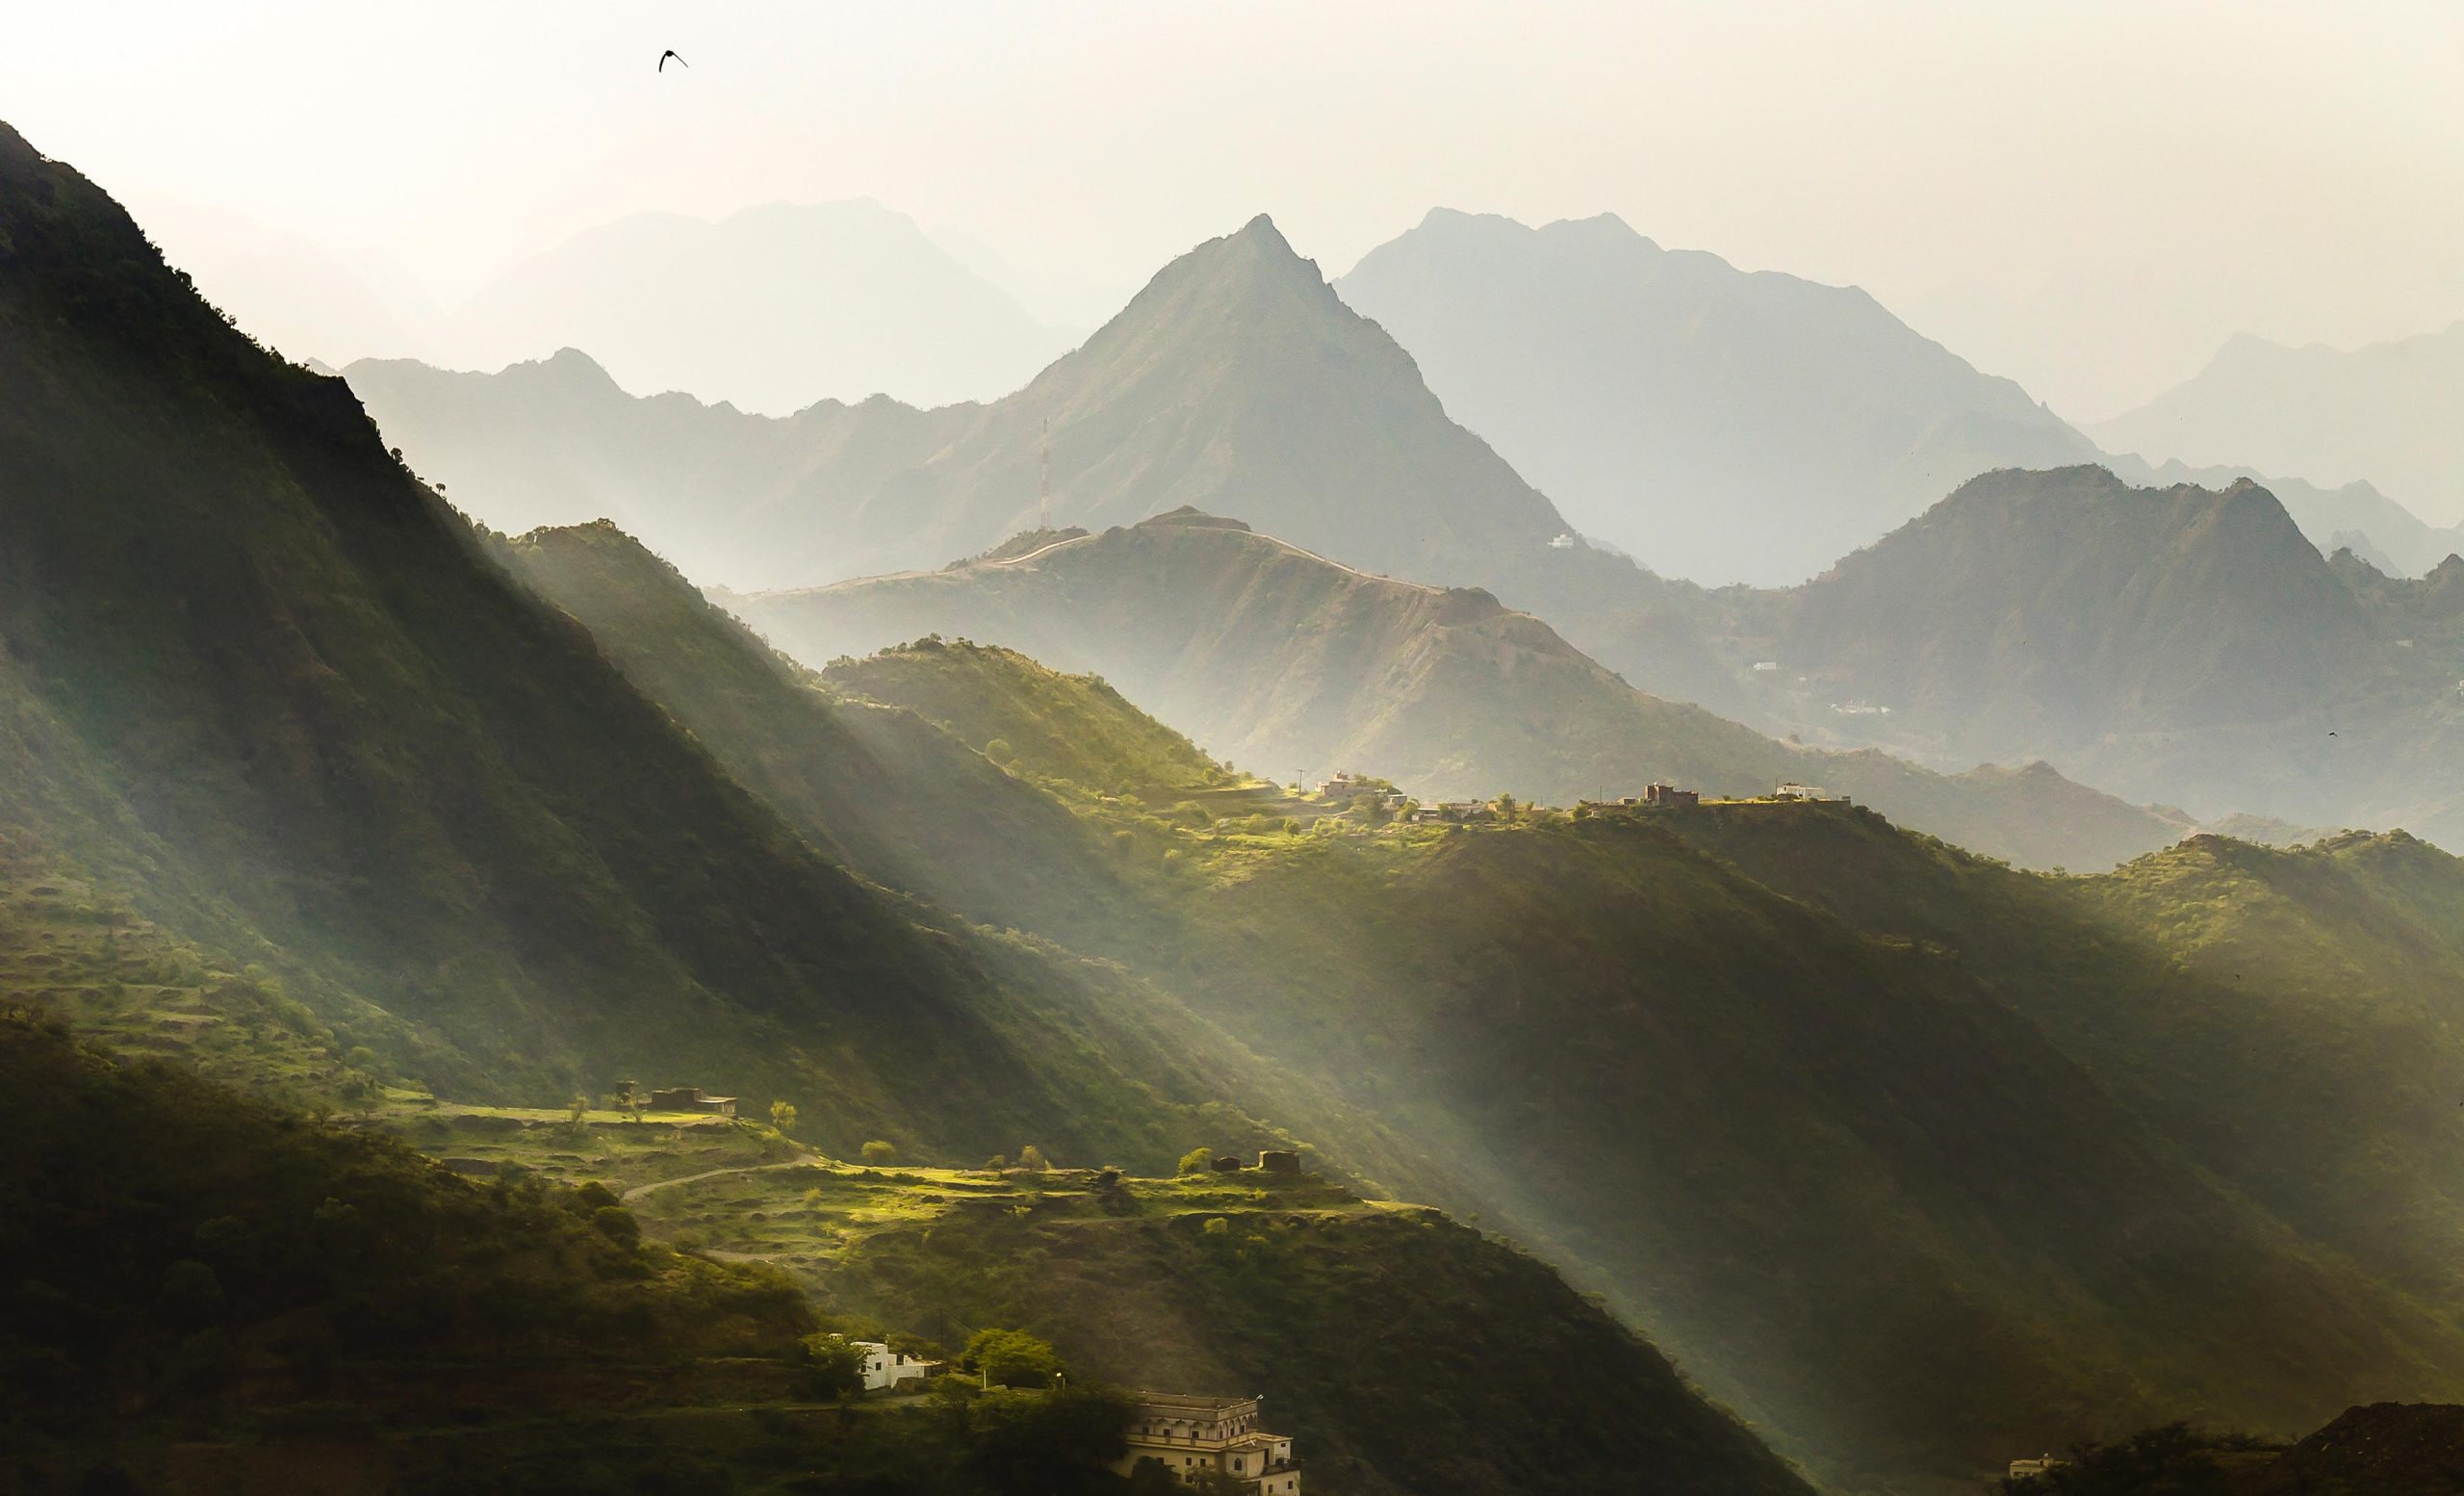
800 1161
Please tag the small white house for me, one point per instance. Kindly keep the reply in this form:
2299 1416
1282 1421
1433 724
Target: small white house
886 1370
1795 791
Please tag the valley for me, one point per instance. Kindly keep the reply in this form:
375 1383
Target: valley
1545 865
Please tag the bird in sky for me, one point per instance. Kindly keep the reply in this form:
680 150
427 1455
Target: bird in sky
671 52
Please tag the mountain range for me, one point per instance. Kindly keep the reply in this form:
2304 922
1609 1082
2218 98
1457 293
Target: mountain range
1236 380
1429 979
2388 413
1717 425
255 675
1285 662
2182 644
770 308
305 781
1913 1158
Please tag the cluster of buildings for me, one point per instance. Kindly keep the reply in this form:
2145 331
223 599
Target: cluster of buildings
1653 797
1189 1434
1347 788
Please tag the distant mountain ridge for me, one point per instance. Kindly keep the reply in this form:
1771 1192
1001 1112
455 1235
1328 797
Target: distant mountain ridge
256 675
2180 644
1283 661
2391 413
1236 380
1717 425
1783 1143
770 308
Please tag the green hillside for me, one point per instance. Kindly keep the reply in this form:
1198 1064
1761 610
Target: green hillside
1811 1163
2285 1014
1073 729
184 1264
274 693
1286 663
896 798
1378 1336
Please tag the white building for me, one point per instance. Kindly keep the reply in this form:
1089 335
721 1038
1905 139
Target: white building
886 1370
1812 792
1189 1434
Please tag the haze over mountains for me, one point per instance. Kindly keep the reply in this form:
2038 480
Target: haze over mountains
1915 1158
1717 425
1286 663
258 675
2184 645
1453 984
1240 384
770 308
2390 414
1234 381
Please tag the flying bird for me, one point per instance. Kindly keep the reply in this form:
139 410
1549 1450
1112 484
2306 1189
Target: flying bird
664 56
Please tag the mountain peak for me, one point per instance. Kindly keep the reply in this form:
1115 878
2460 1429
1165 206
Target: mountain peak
1190 516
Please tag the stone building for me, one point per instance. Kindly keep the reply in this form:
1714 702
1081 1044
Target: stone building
691 1098
1189 1434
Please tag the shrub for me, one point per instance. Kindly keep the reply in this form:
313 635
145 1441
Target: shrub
1013 1359
617 1225
878 1151
832 1365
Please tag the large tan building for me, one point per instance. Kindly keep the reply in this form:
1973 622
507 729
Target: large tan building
1194 1434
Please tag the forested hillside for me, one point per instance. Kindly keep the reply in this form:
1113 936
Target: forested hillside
266 686
1286 663
1779 1145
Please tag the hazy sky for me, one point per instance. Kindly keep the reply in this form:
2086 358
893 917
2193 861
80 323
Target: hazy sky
2089 197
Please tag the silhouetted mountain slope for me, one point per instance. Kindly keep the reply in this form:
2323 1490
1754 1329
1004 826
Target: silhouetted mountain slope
2180 645
1716 425
1691 1092
2410 546
2048 606
1364 1331
2286 1014
770 308
1282 660
1827 1175
900 800
275 689
1236 380
2392 413
180 1260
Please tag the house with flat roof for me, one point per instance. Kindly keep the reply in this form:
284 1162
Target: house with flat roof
886 1370
1187 1435
691 1098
